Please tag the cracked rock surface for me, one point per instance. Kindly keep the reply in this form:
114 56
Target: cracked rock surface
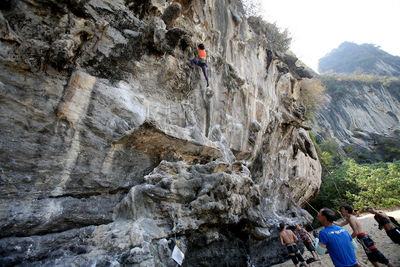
113 151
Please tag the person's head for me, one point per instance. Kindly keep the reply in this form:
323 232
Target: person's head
282 226
326 216
298 227
346 209
370 210
201 46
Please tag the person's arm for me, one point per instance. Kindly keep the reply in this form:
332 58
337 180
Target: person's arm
341 223
378 220
319 247
309 235
320 243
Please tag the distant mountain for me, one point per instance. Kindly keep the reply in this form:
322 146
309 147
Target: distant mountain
351 58
361 108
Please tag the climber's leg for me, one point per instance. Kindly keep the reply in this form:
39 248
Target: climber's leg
194 62
204 69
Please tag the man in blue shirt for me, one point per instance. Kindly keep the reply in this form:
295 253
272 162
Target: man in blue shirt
336 240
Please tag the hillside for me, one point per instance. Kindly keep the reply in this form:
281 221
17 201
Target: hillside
350 58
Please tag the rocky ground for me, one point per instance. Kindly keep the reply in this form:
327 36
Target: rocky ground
384 244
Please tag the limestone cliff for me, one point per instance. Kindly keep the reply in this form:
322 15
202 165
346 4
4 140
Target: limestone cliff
361 111
363 119
113 150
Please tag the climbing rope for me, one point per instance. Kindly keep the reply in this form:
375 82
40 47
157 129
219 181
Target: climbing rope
334 183
176 214
190 83
177 254
310 205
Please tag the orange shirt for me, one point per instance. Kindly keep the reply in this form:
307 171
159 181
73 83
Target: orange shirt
202 54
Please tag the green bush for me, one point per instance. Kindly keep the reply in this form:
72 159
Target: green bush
377 184
349 149
332 148
356 184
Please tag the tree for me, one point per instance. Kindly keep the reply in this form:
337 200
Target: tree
377 184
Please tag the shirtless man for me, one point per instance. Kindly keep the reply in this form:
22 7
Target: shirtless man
373 254
384 222
289 239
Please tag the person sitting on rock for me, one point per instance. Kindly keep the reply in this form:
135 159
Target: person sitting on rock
289 239
201 61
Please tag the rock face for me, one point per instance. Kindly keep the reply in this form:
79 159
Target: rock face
113 151
361 111
363 120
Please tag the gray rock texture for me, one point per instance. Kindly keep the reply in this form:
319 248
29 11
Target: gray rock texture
113 151
363 119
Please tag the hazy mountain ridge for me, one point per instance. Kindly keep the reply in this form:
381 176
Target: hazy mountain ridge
351 58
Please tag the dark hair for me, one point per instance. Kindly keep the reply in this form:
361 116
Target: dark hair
329 214
282 225
369 208
201 46
348 208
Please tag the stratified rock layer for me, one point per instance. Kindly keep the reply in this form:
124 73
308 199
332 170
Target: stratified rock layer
363 121
113 151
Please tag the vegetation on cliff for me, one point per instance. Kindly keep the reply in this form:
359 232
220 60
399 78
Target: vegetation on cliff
311 97
276 38
339 85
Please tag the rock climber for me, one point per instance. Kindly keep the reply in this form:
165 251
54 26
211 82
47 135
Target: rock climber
373 254
289 239
201 61
385 222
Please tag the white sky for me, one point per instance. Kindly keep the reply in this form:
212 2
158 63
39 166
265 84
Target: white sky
318 26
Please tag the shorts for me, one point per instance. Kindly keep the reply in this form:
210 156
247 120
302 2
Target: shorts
295 254
373 254
376 256
309 246
394 234
367 243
